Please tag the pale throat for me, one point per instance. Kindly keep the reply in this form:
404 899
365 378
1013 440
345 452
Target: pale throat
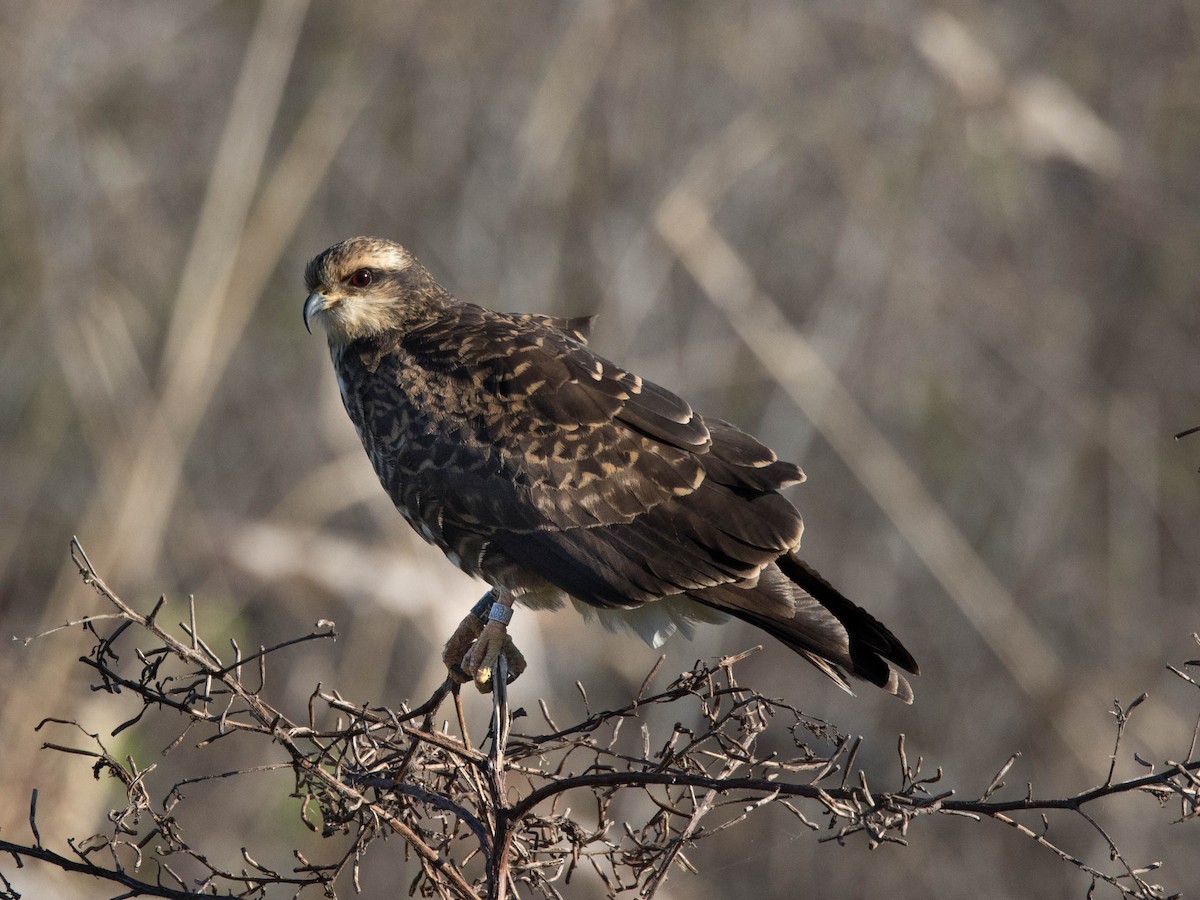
349 320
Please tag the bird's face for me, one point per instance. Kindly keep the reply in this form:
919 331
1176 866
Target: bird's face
362 287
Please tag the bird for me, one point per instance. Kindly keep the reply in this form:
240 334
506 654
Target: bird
554 474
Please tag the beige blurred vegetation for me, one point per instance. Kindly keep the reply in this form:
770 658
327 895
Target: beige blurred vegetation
943 254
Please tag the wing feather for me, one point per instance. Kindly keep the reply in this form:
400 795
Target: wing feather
607 485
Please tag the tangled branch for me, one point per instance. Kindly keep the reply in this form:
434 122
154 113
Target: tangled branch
617 793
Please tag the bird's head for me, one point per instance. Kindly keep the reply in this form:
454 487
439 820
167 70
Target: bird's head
365 286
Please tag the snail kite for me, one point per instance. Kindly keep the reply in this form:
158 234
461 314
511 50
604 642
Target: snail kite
552 473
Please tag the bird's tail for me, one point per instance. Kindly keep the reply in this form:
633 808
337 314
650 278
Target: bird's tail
796 605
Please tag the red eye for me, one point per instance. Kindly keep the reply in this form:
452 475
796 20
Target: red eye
361 278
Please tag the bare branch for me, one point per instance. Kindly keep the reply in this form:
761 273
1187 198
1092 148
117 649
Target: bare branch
497 823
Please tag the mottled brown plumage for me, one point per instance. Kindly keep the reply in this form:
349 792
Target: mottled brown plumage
551 472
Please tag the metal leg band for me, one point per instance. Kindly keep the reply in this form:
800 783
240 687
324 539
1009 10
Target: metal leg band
481 607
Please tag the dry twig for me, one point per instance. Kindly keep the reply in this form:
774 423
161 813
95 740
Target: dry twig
509 822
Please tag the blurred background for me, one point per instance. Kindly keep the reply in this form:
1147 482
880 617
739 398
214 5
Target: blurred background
943 254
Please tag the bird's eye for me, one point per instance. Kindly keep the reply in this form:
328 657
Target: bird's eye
362 278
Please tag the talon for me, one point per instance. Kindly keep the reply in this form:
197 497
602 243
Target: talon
477 644
481 658
484 681
514 657
484 655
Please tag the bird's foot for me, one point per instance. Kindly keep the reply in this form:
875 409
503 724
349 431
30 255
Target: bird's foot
482 659
475 648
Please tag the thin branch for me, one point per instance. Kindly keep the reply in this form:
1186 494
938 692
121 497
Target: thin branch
498 823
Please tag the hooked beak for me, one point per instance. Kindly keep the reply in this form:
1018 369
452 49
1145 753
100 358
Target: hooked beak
314 304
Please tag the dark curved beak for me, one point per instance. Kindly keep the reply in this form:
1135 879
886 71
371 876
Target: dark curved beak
313 305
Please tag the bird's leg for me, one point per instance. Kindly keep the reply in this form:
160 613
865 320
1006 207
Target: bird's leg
477 643
464 636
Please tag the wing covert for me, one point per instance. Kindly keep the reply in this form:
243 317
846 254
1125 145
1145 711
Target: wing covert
607 485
